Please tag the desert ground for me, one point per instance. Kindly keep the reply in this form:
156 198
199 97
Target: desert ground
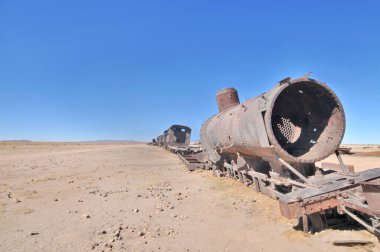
136 197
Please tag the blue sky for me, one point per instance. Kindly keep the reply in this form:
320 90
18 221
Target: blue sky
87 70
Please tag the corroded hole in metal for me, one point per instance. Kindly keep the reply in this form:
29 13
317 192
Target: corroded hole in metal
307 121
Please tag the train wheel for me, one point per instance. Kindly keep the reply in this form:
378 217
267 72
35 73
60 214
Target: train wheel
314 223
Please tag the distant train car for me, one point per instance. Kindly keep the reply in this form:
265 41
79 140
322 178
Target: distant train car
178 135
160 140
164 138
175 136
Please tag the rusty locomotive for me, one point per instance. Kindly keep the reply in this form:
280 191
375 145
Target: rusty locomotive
176 139
271 144
176 135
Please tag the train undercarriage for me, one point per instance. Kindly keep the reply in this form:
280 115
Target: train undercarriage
328 199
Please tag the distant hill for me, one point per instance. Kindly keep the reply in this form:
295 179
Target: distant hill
93 141
110 141
15 141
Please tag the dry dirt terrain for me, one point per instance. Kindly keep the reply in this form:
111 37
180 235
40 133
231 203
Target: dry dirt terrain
135 197
363 157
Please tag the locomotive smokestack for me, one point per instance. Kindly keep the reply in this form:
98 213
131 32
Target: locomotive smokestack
227 98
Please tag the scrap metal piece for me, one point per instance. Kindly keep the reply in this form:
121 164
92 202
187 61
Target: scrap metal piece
360 221
342 166
294 171
350 243
192 161
371 191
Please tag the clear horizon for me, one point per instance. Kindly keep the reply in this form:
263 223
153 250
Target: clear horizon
91 70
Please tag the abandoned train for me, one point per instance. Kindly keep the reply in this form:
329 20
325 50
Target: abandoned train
176 135
271 143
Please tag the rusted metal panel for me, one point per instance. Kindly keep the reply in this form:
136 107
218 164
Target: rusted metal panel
311 200
290 210
360 207
297 209
332 183
192 161
371 191
319 205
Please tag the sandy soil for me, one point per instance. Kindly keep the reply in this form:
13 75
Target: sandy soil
363 157
135 197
